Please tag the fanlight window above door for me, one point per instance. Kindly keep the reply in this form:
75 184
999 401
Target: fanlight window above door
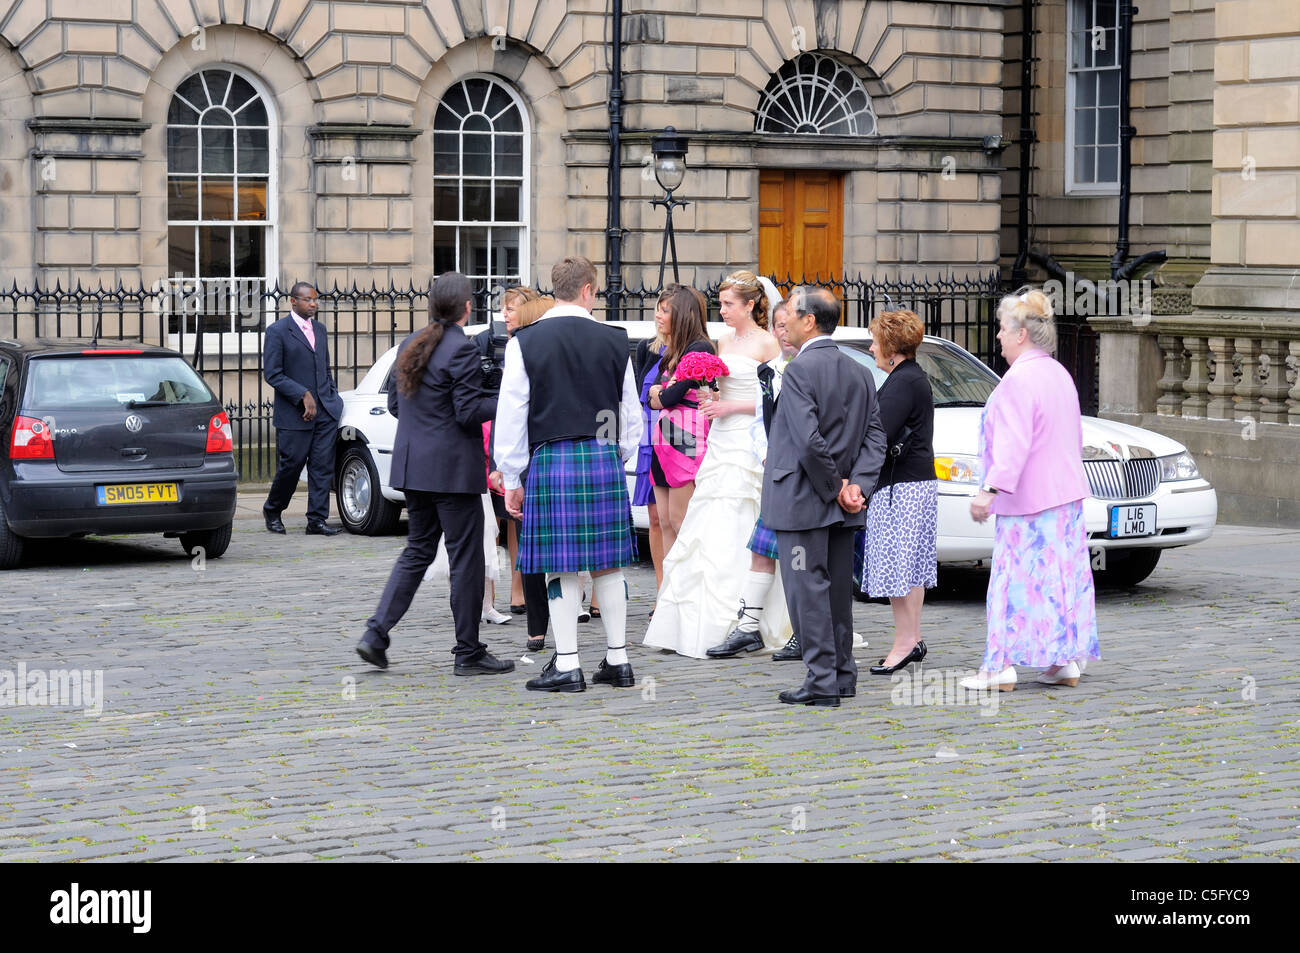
812 94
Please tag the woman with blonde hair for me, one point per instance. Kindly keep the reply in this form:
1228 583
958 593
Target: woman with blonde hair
521 312
705 572
1041 603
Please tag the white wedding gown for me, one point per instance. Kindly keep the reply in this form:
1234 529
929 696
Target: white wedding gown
705 570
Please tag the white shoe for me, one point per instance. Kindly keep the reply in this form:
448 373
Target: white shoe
1083 665
858 641
1004 681
1067 674
490 614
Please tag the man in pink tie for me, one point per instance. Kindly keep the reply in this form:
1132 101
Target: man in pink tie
306 412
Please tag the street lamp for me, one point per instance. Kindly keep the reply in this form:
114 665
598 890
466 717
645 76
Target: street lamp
670 169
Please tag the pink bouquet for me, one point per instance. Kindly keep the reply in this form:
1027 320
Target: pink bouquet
703 367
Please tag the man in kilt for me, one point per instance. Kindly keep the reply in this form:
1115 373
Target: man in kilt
761 584
568 416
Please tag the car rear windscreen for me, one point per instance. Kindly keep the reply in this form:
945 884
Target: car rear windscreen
84 382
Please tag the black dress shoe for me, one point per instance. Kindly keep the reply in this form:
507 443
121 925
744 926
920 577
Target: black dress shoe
736 643
552 680
485 664
620 676
317 528
273 522
372 653
801 696
790 652
518 609
917 653
848 693
535 643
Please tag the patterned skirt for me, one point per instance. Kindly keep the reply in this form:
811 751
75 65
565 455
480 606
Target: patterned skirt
901 540
763 540
1041 604
576 511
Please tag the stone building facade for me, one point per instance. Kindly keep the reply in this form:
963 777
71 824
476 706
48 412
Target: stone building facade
384 141
352 91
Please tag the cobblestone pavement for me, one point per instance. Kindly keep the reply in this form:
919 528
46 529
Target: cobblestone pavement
238 724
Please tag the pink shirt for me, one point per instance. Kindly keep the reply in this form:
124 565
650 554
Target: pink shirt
1033 438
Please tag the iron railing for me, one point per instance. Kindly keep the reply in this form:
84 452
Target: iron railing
222 334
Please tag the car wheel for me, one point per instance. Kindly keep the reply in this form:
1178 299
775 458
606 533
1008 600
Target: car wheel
1128 567
362 507
213 542
11 545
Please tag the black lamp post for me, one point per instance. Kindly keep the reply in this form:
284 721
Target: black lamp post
670 168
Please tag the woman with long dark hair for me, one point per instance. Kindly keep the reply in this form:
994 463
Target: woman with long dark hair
684 333
439 464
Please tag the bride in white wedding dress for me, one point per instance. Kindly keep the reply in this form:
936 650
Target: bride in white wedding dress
705 570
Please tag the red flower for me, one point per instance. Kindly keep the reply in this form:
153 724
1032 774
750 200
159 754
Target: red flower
701 366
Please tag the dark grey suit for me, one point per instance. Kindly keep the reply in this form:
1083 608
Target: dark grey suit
293 368
438 462
825 428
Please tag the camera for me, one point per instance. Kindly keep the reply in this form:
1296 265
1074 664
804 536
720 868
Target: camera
492 347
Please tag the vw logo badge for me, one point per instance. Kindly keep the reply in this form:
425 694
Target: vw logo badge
134 423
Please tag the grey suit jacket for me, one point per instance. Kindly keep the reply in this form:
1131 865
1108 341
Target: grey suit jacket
826 427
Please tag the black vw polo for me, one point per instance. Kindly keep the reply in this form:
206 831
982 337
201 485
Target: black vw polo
108 439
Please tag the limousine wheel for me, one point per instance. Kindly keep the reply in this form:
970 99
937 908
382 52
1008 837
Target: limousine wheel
1126 568
362 507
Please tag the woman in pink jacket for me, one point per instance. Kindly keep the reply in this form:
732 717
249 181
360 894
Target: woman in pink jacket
1041 609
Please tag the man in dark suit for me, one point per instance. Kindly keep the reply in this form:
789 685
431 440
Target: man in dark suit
438 463
824 454
307 410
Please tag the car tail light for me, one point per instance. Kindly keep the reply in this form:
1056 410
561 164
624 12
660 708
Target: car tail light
220 437
31 440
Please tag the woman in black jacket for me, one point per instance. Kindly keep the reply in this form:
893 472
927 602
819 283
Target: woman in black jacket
902 517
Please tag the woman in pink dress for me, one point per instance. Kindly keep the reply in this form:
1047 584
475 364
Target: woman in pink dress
1041 608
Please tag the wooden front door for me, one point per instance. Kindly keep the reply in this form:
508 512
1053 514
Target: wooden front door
801 225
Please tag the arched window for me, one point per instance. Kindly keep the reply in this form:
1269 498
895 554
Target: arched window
220 199
480 185
812 94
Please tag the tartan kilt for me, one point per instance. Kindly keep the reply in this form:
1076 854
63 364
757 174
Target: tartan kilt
763 540
576 511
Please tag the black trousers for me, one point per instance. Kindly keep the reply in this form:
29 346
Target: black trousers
460 517
537 607
315 448
817 574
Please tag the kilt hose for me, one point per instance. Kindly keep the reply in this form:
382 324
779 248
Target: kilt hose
576 511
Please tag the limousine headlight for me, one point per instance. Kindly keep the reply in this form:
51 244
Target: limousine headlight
1178 466
957 469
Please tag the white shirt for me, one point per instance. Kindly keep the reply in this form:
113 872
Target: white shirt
511 427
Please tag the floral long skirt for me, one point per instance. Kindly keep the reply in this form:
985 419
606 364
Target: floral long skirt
1041 605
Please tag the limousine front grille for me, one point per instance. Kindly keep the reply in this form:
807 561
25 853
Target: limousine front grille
1122 480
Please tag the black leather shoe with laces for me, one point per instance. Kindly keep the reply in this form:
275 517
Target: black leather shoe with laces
790 652
553 680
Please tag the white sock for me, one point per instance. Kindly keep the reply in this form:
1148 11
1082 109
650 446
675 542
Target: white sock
752 599
489 596
564 596
611 591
